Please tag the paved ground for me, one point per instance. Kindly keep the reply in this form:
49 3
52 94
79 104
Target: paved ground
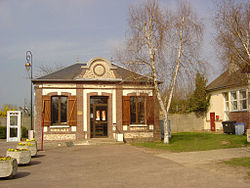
114 166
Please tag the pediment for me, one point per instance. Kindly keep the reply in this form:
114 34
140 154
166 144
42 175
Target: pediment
98 69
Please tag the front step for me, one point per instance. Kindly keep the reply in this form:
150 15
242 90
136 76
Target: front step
96 141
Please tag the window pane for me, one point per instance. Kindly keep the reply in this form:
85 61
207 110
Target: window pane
233 96
227 106
140 110
132 109
226 115
235 105
98 100
243 94
13 132
54 109
226 96
63 109
243 104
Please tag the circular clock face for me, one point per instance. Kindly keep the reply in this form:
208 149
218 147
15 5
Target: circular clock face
99 70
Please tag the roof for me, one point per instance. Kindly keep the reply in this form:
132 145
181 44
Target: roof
70 74
227 80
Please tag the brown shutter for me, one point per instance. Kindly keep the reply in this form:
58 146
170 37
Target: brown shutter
150 110
125 110
46 109
72 110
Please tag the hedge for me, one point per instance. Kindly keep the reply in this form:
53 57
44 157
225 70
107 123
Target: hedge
3 131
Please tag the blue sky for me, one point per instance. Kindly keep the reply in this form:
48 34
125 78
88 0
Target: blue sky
60 31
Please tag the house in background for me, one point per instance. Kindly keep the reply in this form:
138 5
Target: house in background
229 99
95 100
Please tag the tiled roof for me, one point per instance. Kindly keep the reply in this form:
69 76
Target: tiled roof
227 80
66 73
71 72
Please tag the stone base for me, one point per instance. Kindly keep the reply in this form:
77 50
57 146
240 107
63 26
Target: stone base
8 168
32 149
22 157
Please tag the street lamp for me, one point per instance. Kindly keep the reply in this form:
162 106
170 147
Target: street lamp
28 66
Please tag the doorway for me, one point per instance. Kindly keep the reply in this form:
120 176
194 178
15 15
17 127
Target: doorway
99 116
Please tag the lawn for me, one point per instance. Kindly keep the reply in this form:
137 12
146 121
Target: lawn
193 141
243 161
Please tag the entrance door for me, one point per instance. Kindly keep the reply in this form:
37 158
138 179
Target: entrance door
212 121
99 117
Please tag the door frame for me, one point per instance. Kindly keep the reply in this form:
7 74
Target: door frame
110 119
94 120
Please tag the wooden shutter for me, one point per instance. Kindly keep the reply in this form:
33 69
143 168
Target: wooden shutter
125 110
150 110
72 110
46 109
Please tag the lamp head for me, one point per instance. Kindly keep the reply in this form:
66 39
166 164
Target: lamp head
27 66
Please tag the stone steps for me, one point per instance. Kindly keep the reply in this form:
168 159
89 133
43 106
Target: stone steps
96 141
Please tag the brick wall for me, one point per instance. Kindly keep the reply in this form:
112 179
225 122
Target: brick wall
38 114
79 129
240 117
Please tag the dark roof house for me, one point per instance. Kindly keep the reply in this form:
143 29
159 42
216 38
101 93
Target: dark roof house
95 100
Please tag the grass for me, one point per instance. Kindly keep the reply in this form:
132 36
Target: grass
193 141
244 161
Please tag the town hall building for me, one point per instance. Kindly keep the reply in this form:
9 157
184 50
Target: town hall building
97 99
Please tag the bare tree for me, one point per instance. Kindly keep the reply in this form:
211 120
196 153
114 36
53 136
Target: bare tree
232 21
164 43
47 69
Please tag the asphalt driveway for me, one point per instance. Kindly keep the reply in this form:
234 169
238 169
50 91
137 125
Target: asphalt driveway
112 166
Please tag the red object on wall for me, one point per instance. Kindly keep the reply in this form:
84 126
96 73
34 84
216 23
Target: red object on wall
217 117
212 121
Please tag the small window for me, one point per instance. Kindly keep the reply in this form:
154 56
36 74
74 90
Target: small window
243 100
226 98
234 103
137 110
59 109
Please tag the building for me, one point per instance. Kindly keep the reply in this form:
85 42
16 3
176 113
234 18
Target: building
95 100
229 99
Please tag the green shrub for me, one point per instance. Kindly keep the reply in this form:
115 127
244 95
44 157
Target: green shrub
24 132
3 132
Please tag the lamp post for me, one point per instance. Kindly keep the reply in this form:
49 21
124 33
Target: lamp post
28 66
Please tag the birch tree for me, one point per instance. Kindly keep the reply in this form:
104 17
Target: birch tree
232 21
163 43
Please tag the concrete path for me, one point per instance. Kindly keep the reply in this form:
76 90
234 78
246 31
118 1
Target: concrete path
206 157
112 166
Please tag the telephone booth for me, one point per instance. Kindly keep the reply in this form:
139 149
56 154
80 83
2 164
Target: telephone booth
13 126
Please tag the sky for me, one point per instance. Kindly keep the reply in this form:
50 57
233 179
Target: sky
62 31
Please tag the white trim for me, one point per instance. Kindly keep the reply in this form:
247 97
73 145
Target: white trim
59 126
138 125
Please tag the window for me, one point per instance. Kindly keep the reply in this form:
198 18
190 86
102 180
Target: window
226 106
234 102
59 109
243 100
137 110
